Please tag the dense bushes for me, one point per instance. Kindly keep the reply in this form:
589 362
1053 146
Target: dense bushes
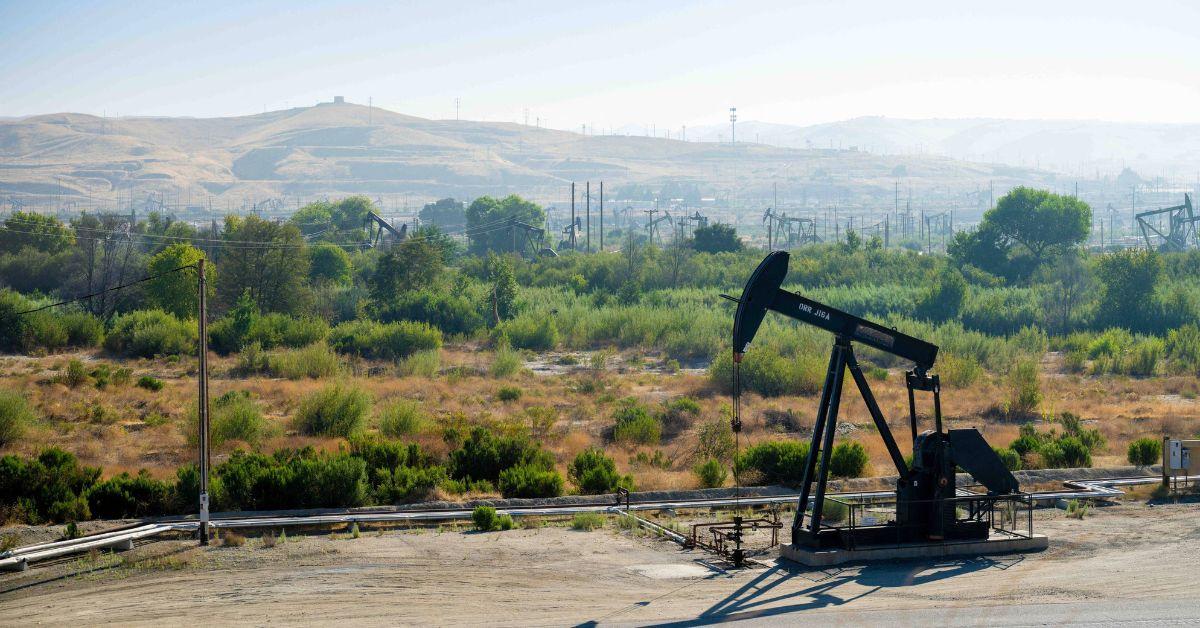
774 462
15 416
451 313
530 480
1053 450
291 479
711 473
125 496
484 455
150 333
594 473
634 424
45 330
51 487
401 418
765 370
848 460
384 341
237 417
1144 452
336 410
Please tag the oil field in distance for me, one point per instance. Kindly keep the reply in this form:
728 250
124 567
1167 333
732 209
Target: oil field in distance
913 340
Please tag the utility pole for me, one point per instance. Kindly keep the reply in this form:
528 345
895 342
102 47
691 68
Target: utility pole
456 103
587 212
572 215
733 125
202 324
601 216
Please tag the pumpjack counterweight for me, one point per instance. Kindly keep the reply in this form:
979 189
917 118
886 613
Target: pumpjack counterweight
926 509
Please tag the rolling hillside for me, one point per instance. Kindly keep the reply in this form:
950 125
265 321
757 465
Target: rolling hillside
331 149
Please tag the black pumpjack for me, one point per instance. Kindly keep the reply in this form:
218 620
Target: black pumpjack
926 508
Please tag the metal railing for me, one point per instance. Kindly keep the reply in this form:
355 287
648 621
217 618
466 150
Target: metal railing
1004 515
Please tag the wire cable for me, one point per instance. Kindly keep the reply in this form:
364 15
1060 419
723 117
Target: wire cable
112 289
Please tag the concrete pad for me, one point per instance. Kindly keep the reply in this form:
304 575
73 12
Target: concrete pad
834 556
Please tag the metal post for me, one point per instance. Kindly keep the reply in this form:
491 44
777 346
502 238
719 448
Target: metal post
601 216
202 324
572 215
810 464
814 523
587 195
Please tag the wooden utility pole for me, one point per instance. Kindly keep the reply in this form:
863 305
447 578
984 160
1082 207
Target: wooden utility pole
572 238
587 204
601 216
202 323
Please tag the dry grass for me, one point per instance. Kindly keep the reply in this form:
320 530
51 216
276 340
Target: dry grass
143 429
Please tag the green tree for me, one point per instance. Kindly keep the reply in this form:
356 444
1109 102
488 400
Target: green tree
410 265
36 231
1128 280
337 221
176 292
502 298
1043 222
944 299
329 263
716 238
447 213
268 259
487 217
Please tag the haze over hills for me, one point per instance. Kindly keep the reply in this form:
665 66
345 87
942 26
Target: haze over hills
341 148
1064 146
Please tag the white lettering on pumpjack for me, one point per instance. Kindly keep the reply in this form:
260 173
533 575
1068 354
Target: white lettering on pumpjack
811 311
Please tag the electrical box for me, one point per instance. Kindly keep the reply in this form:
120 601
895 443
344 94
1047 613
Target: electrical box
1179 458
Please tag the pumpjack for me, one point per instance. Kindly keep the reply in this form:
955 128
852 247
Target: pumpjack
1183 231
925 506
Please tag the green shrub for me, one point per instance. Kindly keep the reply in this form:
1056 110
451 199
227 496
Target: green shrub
530 481
402 418
15 416
237 417
83 329
451 313
535 333
1145 452
594 473
406 484
960 372
74 375
506 362
775 462
150 333
280 330
711 473
1010 458
834 511
384 341
768 372
150 383
290 479
848 460
1067 452
1025 391
336 410
484 518
587 521
125 496
508 393
635 425
314 361
505 522
677 415
420 364
49 487
716 440
484 456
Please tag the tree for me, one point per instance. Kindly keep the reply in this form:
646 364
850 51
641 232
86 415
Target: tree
106 257
268 259
1043 222
329 263
502 298
176 292
36 231
487 218
944 299
447 213
1069 285
716 238
410 265
1128 280
340 221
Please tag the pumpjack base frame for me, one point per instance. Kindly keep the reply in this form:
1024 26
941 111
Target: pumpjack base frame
998 543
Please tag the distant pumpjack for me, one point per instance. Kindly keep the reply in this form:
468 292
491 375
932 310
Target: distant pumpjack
1181 232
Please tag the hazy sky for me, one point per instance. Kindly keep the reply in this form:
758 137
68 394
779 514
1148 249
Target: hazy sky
608 64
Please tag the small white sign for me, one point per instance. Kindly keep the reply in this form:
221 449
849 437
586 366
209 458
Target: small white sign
1176 454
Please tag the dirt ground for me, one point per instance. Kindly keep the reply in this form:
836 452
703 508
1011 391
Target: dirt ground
1120 563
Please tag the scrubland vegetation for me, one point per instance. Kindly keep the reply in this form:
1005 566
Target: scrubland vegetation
346 376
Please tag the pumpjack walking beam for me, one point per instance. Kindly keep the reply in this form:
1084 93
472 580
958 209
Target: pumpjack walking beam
763 292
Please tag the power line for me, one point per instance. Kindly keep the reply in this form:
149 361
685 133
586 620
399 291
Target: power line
112 289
